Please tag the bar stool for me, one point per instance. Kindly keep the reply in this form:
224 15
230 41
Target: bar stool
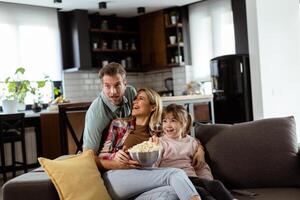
12 131
71 120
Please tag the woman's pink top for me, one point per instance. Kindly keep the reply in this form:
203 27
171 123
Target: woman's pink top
179 153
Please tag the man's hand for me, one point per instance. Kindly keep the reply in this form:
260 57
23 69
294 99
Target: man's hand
198 158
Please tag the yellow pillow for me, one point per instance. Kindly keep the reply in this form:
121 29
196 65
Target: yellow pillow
76 177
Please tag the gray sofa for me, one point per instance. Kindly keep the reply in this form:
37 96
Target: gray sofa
259 157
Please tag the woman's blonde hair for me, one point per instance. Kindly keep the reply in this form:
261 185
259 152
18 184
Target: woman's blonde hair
155 100
181 115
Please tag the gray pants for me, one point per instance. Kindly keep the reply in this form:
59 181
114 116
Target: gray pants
125 184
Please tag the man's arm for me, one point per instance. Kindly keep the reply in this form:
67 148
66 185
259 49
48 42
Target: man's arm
95 123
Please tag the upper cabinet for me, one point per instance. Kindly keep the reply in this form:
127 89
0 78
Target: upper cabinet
165 39
115 39
75 40
153 41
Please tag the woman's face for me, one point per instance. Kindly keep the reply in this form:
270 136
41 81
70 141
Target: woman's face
172 127
141 105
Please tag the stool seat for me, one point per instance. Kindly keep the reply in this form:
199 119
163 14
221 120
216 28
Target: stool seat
12 131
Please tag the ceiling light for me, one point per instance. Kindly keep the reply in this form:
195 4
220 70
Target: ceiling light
141 10
102 5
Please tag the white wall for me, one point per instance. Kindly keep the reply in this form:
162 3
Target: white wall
273 32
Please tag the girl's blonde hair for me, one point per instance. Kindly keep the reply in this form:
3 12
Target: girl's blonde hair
155 100
181 115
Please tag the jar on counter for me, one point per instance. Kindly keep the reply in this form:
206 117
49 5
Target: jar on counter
104 63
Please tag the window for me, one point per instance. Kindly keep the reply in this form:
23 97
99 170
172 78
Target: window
212 34
29 38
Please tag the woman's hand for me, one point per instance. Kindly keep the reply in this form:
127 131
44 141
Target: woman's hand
198 158
124 160
122 157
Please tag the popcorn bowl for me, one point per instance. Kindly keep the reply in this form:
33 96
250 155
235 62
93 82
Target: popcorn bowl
146 159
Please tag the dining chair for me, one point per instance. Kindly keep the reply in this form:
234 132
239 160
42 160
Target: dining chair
71 121
12 131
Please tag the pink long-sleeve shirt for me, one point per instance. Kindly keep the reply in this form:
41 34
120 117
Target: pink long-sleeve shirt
179 153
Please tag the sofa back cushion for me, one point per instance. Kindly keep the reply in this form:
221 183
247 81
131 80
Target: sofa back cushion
260 153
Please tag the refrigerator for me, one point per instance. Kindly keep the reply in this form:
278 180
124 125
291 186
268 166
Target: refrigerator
231 86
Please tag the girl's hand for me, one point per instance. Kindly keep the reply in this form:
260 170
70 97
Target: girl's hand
154 139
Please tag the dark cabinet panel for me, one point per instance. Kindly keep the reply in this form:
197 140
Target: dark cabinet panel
153 42
75 41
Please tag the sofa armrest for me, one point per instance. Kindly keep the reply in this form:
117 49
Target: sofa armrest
34 185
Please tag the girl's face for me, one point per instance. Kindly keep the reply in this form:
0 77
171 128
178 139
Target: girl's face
141 105
172 127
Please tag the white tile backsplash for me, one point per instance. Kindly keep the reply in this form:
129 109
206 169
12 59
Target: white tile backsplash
85 86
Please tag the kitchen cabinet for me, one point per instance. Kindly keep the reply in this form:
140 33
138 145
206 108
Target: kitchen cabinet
115 39
75 40
51 146
153 41
177 36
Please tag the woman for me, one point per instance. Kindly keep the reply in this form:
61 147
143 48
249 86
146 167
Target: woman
125 133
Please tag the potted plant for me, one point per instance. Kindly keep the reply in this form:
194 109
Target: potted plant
35 90
17 88
173 17
15 91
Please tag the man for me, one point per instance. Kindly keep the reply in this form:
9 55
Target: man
115 100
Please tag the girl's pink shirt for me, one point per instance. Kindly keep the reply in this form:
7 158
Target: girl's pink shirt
179 153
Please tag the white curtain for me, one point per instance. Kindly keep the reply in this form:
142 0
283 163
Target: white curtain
212 33
29 38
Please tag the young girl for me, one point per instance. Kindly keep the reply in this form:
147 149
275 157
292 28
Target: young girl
178 151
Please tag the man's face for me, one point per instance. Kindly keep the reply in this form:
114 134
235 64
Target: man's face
114 88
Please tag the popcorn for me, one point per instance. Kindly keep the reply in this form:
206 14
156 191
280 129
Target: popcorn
145 146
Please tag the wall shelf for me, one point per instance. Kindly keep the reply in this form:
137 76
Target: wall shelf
115 39
113 51
96 30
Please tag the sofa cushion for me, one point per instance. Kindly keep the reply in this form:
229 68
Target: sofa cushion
76 177
270 194
260 153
